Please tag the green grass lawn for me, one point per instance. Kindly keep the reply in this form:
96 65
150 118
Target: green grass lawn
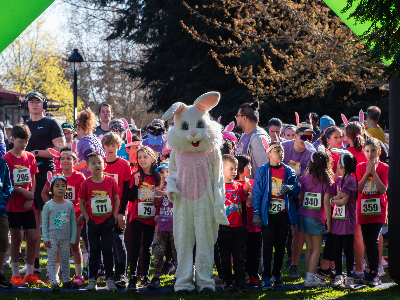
392 292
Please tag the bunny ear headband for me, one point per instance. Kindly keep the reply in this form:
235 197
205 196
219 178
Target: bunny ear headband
311 148
341 152
52 179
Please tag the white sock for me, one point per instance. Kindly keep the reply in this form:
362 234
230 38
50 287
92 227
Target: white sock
78 270
57 267
310 276
29 269
15 269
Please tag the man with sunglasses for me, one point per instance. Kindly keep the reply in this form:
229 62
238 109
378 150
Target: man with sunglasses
297 157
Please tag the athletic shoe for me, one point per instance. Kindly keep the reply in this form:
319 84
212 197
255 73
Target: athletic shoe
121 282
323 274
55 288
78 281
372 279
110 285
288 263
68 284
154 283
338 281
228 286
218 281
381 271
33 279
294 272
35 270
358 276
171 269
6 269
17 281
145 281
277 282
133 283
266 284
242 289
92 286
349 282
314 282
384 263
4 284
253 281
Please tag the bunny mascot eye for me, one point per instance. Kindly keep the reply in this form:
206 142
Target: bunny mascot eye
195 185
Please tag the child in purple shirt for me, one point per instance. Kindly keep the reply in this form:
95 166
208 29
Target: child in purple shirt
165 230
344 218
315 192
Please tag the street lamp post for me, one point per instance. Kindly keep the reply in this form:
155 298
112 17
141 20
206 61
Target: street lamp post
75 60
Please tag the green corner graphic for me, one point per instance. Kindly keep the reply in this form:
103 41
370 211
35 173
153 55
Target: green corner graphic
16 16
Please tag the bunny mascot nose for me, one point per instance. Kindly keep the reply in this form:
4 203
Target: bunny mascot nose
193 133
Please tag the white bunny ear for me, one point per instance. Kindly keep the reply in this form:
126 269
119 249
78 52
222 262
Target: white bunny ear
174 110
73 146
219 120
297 118
344 119
310 147
361 116
207 101
126 125
49 177
340 151
128 137
321 148
133 122
230 127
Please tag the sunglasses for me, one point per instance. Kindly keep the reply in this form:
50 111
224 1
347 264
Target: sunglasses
306 137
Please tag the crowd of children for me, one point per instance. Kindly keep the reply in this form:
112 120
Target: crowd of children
319 183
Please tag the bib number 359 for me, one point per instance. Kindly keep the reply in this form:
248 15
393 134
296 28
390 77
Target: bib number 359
371 206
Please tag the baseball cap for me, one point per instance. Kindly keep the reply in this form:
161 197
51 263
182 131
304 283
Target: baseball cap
157 123
325 122
8 126
36 95
67 125
164 165
304 127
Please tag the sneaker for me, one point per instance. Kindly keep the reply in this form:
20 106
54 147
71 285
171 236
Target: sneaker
228 286
33 279
288 263
92 286
154 283
55 288
171 269
277 282
68 284
338 281
349 282
384 263
110 285
253 281
78 281
133 283
218 281
323 274
242 289
121 282
381 271
4 284
372 279
17 281
315 282
145 281
6 269
266 284
35 270
21 258
294 272
358 275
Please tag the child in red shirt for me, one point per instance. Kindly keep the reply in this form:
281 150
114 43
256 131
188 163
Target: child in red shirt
120 170
74 179
141 193
99 203
232 237
20 207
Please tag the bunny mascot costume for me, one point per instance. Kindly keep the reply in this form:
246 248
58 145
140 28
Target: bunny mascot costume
196 187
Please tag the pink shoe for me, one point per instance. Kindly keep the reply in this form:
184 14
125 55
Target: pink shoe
78 281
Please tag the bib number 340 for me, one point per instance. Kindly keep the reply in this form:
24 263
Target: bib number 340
312 201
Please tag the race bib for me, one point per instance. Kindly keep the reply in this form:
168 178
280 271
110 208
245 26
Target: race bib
276 206
339 212
312 201
146 210
21 176
371 206
115 176
70 194
101 207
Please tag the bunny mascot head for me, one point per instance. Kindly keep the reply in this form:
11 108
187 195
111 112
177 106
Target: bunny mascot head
195 184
